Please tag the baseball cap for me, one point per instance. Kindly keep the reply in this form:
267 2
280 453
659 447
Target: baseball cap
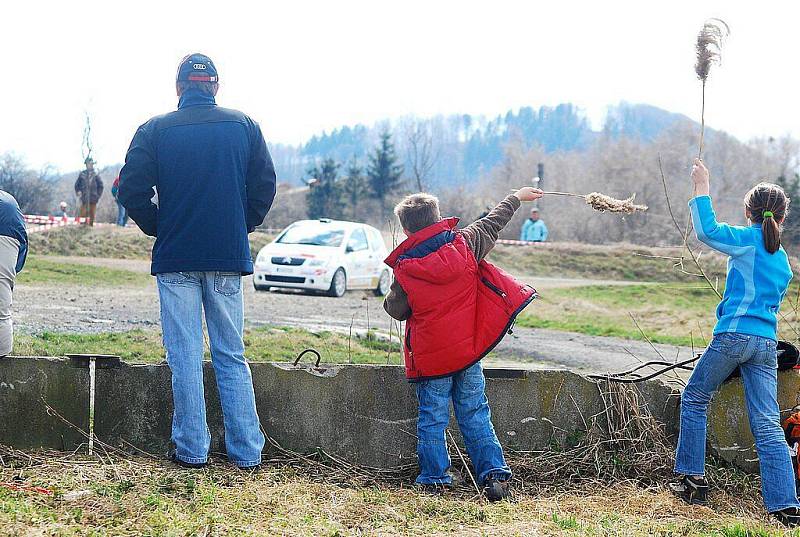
197 68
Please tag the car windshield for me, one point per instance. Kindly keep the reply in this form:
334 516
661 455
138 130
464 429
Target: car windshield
316 235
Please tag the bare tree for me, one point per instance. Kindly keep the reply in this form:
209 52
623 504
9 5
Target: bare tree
421 152
33 190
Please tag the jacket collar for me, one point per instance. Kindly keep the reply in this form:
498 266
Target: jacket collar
194 97
422 235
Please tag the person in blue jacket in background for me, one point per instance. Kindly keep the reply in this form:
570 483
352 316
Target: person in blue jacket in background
745 336
13 252
215 182
534 230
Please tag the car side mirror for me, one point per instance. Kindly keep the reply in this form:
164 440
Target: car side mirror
349 249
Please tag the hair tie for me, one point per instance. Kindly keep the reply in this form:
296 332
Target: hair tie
768 214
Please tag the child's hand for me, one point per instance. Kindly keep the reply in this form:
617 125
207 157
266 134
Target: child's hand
527 193
700 177
699 172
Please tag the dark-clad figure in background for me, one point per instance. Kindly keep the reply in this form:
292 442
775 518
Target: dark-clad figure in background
13 251
89 189
215 182
122 213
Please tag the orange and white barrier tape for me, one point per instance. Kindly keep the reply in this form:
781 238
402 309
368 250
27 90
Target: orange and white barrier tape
519 243
38 223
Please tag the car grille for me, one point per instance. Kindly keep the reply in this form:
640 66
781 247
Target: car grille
291 261
284 279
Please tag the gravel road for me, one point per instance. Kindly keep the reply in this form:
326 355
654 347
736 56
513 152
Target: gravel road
98 309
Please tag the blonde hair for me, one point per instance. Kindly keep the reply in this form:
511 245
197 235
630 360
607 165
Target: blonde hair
418 211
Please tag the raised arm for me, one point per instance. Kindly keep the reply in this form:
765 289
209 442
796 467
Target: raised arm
720 236
482 234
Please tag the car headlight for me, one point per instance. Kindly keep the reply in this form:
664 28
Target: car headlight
317 262
261 258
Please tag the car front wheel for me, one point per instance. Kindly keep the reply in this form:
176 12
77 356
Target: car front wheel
338 284
384 283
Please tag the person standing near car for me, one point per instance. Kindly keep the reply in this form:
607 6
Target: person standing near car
89 189
215 183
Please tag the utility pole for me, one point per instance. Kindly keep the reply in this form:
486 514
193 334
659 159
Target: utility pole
538 181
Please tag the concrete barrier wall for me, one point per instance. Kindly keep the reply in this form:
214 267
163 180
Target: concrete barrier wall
729 433
363 413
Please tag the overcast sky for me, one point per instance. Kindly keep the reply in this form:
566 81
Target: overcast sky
300 67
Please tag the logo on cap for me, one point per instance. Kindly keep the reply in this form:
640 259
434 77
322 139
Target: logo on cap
200 66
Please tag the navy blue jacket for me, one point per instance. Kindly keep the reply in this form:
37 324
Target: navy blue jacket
13 225
215 182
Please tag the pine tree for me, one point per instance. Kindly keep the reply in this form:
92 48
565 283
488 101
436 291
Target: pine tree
323 198
354 187
384 173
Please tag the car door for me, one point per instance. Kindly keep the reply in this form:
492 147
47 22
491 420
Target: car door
358 257
378 253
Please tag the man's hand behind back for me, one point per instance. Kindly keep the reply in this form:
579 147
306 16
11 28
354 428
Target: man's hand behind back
528 193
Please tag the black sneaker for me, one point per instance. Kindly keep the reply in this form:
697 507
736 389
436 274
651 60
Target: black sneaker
691 489
172 455
496 489
789 517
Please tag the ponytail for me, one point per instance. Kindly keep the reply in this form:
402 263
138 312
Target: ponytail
768 205
772 232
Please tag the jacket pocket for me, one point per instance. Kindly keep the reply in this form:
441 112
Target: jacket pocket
408 346
496 290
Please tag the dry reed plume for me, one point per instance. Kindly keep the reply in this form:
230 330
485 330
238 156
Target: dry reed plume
709 51
606 204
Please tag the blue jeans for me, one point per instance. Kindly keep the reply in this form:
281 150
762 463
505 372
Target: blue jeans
184 296
758 360
122 215
467 390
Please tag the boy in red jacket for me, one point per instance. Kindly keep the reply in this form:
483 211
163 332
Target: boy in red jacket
458 307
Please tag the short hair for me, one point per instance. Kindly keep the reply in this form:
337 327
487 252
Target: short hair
209 88
418 211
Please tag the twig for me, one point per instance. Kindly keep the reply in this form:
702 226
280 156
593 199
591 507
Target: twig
464 462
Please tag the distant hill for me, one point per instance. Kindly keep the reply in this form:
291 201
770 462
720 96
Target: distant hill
467 146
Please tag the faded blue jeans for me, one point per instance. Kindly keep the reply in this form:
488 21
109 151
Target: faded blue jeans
467 391
184 296
758 360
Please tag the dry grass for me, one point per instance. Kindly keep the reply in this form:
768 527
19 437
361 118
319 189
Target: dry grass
139 496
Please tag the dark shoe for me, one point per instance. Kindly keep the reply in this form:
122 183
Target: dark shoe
172 455
789 517
496 489
693 490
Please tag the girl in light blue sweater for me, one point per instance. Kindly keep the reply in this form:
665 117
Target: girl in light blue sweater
745 337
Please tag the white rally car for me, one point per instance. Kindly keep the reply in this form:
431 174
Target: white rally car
324 255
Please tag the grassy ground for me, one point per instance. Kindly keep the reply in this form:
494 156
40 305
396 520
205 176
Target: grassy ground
137 496
41 270
111 241
674 314
263 344
608 262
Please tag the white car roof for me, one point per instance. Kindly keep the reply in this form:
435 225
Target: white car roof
327 222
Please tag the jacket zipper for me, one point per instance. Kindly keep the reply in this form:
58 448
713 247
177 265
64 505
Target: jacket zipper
499 292
408 346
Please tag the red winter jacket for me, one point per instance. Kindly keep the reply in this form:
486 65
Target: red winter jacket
461 308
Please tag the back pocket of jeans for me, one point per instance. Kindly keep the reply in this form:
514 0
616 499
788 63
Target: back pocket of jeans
227 283
176 278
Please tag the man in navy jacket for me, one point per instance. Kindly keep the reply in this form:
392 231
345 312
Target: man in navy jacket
215 182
